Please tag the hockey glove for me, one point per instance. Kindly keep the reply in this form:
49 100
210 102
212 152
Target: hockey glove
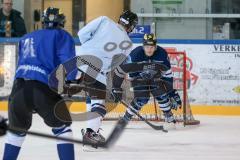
116 94
72 87
148 74
3 126
175 99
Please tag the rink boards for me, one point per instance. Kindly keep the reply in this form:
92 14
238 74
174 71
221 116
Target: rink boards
213 78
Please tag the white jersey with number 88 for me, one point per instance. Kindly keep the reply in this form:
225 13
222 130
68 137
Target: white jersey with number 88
104 45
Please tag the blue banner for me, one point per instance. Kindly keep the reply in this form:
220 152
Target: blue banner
140 30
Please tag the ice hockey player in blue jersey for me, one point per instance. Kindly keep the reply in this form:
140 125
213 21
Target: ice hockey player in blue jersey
143 81
40 52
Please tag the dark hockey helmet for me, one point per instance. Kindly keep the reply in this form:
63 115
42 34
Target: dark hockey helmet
150 39
53 18
129 20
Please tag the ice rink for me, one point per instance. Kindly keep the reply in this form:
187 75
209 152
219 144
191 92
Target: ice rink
216 138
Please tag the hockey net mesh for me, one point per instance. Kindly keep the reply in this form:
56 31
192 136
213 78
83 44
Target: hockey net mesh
151 111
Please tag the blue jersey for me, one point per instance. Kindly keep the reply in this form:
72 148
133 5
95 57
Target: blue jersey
40 52
159 56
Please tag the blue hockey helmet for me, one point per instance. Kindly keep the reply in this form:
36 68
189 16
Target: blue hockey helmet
149 39
53 18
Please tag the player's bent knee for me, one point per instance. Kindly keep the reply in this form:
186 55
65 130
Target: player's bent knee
15 126
56 121
138 103
135 105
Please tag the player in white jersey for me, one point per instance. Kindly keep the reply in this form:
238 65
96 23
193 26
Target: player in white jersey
104 45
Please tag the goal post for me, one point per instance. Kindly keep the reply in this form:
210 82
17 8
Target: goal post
182 82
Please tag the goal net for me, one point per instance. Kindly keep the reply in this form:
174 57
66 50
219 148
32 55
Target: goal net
151 111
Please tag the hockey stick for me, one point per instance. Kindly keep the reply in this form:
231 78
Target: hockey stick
44 135
143 119
127 106
115 134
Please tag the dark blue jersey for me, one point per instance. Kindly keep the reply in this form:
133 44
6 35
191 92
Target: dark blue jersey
159 56
139 66
40 52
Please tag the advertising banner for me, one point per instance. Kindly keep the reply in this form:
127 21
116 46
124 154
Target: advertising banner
140 30
7 68
213 72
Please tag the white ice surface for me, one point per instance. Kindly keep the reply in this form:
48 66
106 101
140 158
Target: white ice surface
216 138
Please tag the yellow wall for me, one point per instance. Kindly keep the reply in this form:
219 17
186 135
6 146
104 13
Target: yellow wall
94 9
196 110
110 8
66 7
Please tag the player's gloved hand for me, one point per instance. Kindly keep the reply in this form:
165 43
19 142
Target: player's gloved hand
116 94
175 99
3 126
72 87
148 74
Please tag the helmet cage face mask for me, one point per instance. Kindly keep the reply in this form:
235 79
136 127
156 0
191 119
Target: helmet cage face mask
53 18
131 28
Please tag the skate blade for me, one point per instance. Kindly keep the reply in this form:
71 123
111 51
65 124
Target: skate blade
87 148
169 126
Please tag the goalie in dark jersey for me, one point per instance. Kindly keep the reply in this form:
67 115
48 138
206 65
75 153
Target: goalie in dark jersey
153 76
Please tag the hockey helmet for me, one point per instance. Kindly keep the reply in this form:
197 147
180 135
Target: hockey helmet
53 18
129 20
149 39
